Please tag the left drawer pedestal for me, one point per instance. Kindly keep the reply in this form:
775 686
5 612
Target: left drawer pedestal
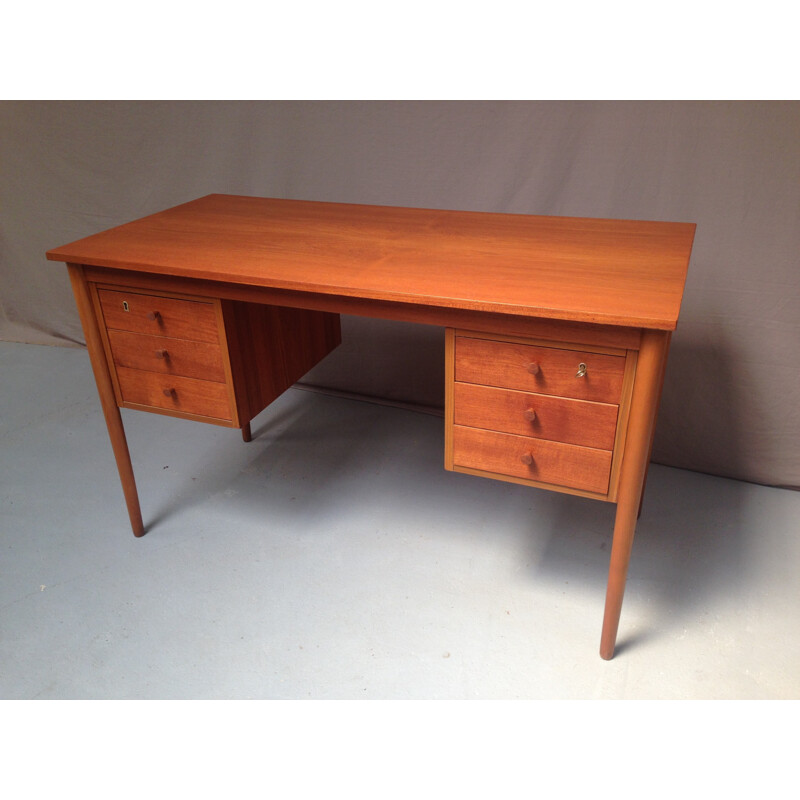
201 358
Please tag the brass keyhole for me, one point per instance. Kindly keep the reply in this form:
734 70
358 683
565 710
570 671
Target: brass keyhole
125 305
581 373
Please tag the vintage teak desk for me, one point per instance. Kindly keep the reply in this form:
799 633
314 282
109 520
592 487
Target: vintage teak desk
556 329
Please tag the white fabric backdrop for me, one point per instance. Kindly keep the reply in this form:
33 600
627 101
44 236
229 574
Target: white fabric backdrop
730 403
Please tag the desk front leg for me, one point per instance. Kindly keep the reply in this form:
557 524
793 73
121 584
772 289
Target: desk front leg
644 407
105 388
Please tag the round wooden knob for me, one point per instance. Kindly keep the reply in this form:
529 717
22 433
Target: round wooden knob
162 354
153 316
533 368
169 393
529 414
526 458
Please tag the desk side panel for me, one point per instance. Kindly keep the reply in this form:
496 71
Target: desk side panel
272 347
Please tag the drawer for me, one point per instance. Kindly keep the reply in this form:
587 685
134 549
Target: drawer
544 370
567 465
159 316
170 356
174 393
542 416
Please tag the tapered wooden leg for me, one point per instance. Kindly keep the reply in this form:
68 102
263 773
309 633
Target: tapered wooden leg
653 432
108 401
644 407
246 433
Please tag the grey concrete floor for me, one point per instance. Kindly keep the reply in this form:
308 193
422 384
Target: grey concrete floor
333 557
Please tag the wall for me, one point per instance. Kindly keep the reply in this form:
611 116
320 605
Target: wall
730 406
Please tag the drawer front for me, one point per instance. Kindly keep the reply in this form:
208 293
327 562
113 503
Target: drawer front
542 416
174 393
560 464
544 370
159 316
169 356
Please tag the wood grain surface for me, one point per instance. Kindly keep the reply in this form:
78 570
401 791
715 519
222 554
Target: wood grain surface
550 462
559 419
174 393
185 357
507 365
159 316
614 272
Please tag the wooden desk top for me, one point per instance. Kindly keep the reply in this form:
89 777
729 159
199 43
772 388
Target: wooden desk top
613 272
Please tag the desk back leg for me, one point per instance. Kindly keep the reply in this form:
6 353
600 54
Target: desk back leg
644 407
108 400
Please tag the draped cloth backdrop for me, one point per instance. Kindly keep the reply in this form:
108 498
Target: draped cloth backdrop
732 392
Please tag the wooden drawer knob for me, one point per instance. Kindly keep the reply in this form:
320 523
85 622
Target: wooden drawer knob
526 458
533 368
154 316
162 354
529 414
169 393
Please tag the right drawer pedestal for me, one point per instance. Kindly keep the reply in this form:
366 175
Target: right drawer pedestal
546 414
